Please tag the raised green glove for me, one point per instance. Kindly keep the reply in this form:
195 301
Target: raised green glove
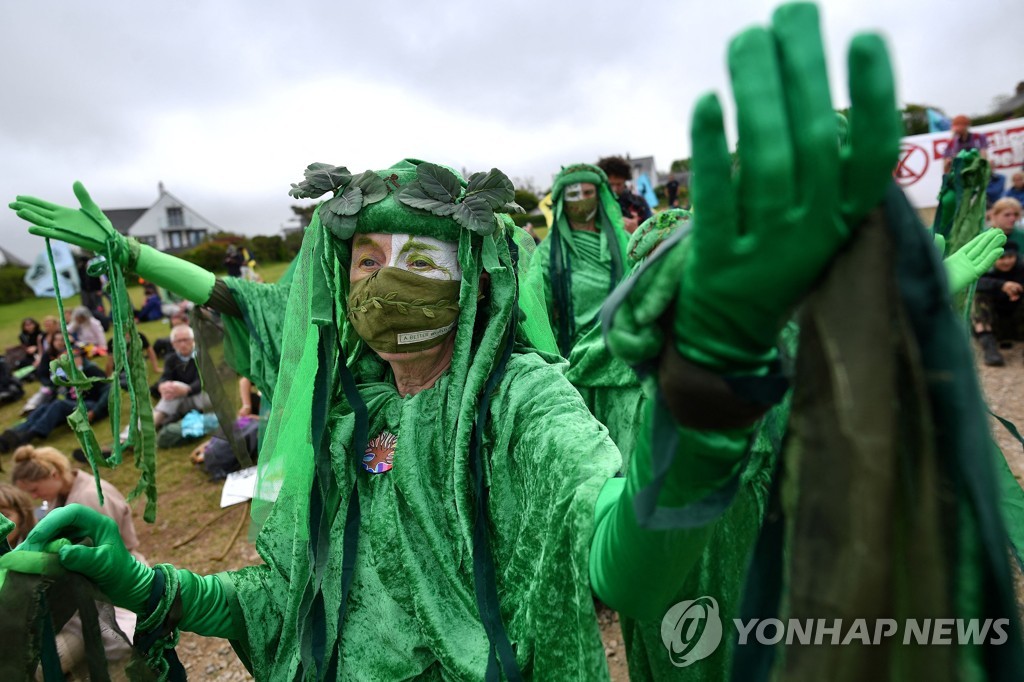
89 228
119 575
974 259
86 227
764 234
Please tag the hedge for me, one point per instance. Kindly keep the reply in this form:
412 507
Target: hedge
12 284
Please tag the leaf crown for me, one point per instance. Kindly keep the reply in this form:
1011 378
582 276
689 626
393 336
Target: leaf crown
435 191
438 191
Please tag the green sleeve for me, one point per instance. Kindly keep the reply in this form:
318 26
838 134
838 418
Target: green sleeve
638 571
210 606
183 278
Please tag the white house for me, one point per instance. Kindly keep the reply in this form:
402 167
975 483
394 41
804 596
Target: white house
167 225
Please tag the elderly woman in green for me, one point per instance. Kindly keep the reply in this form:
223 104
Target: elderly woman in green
574 270
440 501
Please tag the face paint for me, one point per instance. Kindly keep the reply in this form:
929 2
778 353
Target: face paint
580 202
426 256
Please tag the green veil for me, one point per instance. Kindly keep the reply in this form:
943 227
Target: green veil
324 366
564 246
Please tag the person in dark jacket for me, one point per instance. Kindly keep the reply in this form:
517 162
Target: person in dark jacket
46 418
998 315
152 307
31 338
233 261
179 389
634 209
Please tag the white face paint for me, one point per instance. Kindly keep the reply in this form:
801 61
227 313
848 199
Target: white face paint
425 256
573 192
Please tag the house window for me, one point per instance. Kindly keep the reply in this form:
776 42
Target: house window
175 216
175 238
148 240
194 237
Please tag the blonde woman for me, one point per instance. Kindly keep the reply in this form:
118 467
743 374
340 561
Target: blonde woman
47 474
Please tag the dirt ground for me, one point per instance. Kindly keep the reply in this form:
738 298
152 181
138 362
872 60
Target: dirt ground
193 531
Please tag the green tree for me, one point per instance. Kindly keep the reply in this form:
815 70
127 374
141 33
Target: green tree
527 199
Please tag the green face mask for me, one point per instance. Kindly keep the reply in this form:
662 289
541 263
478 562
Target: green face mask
397 311
582 211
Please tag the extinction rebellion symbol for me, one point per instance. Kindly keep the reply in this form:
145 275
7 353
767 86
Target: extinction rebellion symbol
691 630
912 164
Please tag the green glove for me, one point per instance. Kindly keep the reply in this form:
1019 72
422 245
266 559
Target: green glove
88 228
126 580
119 575
763 235
974 259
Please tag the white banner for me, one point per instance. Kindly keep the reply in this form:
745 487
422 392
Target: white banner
919 169
40 278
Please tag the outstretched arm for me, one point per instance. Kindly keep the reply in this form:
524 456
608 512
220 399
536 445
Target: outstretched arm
761 237
89 228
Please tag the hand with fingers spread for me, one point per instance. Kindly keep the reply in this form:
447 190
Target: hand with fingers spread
973 259
86 227
763 234
119 575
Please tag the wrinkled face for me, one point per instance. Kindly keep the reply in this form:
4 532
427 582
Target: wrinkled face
45 488
617 183
1006 218
182 341
423 256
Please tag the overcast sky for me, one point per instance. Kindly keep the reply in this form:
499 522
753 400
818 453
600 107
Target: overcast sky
227 101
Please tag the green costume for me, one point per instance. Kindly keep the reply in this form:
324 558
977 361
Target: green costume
477 553
575 271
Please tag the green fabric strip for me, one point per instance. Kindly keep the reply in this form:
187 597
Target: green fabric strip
484 575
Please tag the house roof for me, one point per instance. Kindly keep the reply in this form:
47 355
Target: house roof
9 258
123 218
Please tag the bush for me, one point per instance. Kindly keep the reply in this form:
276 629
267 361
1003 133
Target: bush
527 199
521 219
12 284
293 244
268 249
208 255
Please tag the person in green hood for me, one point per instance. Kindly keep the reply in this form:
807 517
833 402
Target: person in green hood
436 499
574 270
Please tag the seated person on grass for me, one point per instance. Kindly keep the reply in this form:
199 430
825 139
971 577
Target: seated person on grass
179 388
152 307
998 315
46 418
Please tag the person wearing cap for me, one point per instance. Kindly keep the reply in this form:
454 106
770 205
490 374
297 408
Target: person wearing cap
963 139
998 315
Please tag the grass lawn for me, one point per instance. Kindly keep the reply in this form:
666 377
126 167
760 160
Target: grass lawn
187 500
